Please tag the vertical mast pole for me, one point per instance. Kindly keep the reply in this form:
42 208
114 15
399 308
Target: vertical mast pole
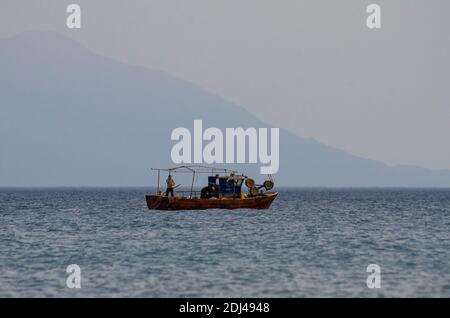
157 191
192 184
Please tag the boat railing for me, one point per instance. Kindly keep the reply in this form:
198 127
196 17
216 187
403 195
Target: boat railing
184 194
187 194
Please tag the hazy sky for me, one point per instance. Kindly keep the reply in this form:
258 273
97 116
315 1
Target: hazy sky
310 66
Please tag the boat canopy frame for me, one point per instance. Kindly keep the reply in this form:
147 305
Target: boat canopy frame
194 169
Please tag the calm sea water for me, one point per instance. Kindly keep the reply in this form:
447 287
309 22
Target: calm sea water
311 243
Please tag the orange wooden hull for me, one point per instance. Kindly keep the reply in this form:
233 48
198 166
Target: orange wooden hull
162 202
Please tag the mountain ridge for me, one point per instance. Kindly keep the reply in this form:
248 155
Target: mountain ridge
87 120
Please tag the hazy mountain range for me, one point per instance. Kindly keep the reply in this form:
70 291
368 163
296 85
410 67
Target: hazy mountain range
71 117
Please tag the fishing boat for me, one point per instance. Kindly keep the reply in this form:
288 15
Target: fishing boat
223 191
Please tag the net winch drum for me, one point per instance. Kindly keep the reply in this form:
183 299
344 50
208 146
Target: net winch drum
268 185
253 191
249 183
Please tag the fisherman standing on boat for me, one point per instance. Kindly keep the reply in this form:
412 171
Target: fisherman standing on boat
170 185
